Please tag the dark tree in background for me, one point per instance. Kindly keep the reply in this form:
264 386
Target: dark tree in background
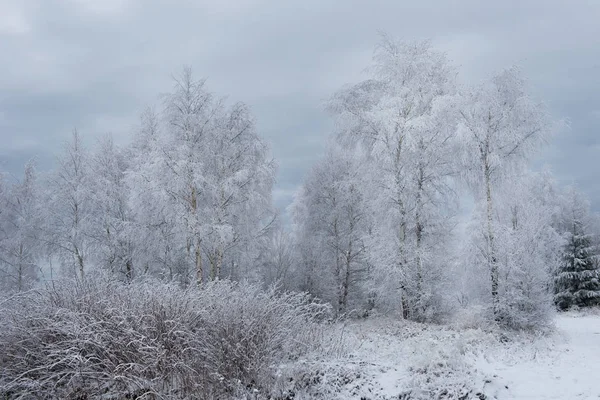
577 282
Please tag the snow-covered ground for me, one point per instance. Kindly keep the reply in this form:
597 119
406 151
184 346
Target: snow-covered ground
569 370
386 359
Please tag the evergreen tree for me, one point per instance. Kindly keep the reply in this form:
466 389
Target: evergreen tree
577 282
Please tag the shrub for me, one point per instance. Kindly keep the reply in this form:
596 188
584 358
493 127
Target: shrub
101 338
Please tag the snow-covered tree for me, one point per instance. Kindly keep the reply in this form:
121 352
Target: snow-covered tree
403 117
154 229
527 250
330 222
112 217
278 259
20 219
237 195
204 182
500 127
69 208
577 280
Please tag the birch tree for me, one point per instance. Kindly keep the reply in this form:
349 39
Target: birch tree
330 218
528 249
159 241
500 128
278 259
69 208
112 217
237 194
210 174
403 117
20 248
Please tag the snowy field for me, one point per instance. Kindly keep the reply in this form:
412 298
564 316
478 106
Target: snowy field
569 369
388 359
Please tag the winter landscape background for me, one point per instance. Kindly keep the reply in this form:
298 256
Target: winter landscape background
392 201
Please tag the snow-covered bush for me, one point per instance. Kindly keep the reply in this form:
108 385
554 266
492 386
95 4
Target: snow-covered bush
104 338
471 317
441 372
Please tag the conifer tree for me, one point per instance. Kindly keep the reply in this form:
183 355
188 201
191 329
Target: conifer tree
577 281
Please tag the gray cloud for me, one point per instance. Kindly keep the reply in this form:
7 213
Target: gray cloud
95 65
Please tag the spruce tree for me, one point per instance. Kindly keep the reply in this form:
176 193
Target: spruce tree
577 282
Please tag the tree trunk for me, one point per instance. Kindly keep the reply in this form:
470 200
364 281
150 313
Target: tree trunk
493 262
338 267
419 237
401 265
346 283
79 263
129 270
346 278
199 272
215 264
20 268
167 265
398 151
405 304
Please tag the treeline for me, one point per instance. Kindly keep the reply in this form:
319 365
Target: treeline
376 221
375 225
189 200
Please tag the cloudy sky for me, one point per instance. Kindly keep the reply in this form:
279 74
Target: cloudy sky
96 64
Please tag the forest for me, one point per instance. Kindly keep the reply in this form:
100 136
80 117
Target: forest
162 269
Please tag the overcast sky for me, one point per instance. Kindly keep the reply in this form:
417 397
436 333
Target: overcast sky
96 64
